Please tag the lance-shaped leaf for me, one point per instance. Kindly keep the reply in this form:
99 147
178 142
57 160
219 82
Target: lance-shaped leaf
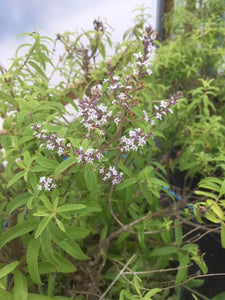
32 260
8 268
16 178
64 165
17 231
70 207
42 225
20 286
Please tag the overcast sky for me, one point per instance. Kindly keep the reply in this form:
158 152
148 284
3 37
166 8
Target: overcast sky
57 16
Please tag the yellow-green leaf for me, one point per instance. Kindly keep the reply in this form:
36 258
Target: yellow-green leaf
43 224
8 268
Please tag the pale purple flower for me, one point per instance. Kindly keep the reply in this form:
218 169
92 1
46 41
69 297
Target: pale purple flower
111 175
46 184
138 55
158 116
163 104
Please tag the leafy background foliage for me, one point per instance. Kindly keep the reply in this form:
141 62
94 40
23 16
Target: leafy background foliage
87 238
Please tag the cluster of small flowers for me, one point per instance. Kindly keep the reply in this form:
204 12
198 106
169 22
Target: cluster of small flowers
88 156
111 175
145 59
165 106
147 41
123 91
50 141
46 184
94 116
136 139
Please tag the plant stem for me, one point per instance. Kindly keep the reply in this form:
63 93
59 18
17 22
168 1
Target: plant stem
196 293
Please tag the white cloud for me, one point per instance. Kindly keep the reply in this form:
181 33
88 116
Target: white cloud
68 15
118 14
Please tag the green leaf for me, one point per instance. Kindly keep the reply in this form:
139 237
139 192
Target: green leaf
20 286
25 139
152 293
47 164
222 189
16 178
20 117
76 233
126 183
41 213
219 297
222 235
46 247
90 208
8 268
66 243
163 251
70 207
64 165
32 260
17 231
137 286
43 297
71 248
183 270
212 205
206 194
101 48
46 202
64 265
90 179
6 295
42 225
37 68
60 224
195 297
200 262
17 202
178 233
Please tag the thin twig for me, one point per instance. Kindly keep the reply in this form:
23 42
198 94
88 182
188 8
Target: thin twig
157 271
110 207
196 293
191 278
117 277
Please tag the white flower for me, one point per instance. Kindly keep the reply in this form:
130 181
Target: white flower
152 122
89 152
59 140
101 171
149 71
138 55
103 108
39 187
113 87
163 104
42 179
159 116
117 120
50 146
60 151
